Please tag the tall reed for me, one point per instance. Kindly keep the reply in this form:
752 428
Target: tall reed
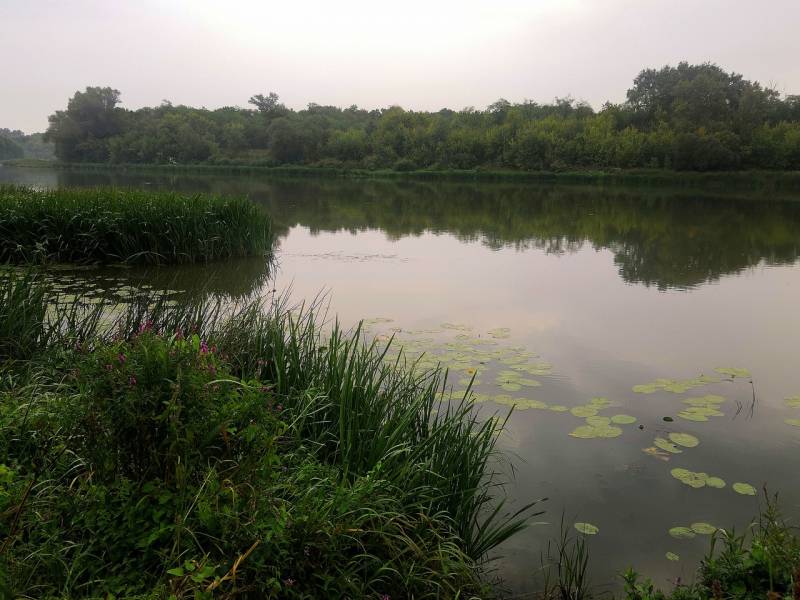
125 225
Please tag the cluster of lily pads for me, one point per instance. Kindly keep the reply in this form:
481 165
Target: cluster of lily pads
512 368
599 426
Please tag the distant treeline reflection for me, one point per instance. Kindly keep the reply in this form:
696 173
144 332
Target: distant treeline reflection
659 237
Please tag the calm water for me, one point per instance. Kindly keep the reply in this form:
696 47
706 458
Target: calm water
612 287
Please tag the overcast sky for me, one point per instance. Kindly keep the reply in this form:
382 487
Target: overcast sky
418 54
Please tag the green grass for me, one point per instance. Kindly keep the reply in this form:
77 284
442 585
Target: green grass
118 225
235 450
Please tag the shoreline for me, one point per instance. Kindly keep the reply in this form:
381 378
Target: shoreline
754 180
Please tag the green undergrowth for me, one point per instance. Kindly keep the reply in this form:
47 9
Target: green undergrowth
218 450
105 225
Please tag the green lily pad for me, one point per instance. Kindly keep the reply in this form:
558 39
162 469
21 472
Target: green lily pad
583 411
792 422
558 408
690 478
646 388
468 380
584 432
499 332
587 528
682 533
793 402
666 446
600 403
689 416
745 489
715 482
733 371
598 421
703 528
511 387
623 419
672 556
684 439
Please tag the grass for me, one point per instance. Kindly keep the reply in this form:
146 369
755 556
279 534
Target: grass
232 450
117 225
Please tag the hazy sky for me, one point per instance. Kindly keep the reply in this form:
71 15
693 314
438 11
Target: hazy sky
418 54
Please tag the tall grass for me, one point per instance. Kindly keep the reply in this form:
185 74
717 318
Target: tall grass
125 225
377 486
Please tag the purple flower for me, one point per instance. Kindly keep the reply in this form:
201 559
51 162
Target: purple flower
109 367
289 582
132 380
385 597
178 334
121 358
203 347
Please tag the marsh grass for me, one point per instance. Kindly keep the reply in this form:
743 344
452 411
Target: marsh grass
240 449
106 225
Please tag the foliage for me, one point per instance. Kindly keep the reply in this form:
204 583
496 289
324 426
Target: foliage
194 450
10 149
114 225
32 146
689 117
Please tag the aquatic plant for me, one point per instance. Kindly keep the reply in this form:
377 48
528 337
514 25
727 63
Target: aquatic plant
125 225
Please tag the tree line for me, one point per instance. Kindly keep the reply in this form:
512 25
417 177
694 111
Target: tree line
688 117
17 144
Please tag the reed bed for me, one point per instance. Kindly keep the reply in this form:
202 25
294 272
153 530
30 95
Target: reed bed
236 448
108 225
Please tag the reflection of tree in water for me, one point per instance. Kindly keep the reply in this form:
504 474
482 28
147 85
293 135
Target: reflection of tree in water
662 237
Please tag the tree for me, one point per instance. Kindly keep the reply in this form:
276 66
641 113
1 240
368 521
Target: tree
10 149
82 131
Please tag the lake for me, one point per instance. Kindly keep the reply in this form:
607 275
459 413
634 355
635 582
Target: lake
646 300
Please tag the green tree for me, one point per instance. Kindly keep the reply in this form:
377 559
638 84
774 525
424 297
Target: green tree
82 131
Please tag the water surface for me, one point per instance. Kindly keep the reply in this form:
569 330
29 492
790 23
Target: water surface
613 286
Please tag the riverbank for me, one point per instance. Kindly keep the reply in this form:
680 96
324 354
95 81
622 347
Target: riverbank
716 180
171 450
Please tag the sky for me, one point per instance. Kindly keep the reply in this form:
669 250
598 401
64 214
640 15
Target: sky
422 55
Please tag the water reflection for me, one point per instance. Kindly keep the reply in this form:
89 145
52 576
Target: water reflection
667 238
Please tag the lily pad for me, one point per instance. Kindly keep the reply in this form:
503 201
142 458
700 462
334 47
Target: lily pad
587 528
684 439
584 432
511 387
690 478
792 422
672 556
666 446
690 416
793 402
499 332
715 482
703 528
583 411
745 489
558 408
598 421
682 533
733 371
623 419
